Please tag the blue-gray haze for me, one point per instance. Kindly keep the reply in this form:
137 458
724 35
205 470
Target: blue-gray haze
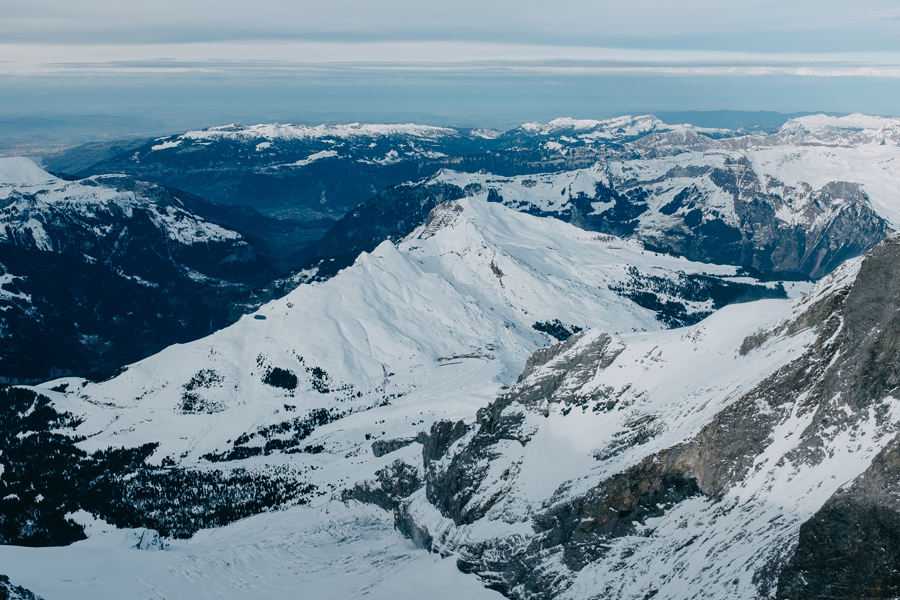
188 63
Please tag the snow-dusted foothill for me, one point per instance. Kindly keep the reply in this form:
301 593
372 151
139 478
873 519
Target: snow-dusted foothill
101 271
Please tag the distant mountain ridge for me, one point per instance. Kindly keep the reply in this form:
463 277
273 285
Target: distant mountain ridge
767 201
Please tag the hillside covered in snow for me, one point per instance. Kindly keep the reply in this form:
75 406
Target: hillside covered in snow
581 359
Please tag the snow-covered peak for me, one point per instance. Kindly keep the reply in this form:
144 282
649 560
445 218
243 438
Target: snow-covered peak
486 134
23 176
464 298
21 171
560 124
40 203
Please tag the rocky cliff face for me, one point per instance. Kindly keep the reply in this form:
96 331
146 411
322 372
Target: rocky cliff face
609 471
11 591
729 209
715 207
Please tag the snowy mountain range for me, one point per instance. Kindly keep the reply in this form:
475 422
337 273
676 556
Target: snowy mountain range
770 202
579 375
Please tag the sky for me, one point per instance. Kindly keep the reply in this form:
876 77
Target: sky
461 62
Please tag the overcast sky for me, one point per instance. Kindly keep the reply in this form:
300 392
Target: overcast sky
810 55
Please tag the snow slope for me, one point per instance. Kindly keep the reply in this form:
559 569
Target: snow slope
456 302
20 171
671 464
331 552
431 329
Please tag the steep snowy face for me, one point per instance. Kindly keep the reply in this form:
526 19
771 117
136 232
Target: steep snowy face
19 171
76 254
470 294
685 463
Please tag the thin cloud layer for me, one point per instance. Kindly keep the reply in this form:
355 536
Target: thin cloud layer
775 25
484 55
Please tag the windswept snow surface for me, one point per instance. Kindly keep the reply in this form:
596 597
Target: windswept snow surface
328 552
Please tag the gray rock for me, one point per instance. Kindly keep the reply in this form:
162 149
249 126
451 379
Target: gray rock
851 548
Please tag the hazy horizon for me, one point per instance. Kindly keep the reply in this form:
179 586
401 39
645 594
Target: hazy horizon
170 66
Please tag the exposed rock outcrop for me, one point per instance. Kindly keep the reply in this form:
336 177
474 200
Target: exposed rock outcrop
751 478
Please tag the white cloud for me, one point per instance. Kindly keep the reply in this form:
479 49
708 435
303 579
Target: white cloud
592 21
445 56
